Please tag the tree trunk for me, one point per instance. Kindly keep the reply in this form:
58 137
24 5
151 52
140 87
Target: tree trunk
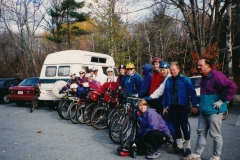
228 59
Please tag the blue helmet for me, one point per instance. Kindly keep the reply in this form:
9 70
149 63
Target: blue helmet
164 65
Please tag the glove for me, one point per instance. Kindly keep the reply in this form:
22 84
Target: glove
147 98
217 104
60 92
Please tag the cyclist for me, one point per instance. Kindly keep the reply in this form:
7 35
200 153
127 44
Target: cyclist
73 79
82 77
177 91
153 130
122 74
158 93
110 75
79 91
133 81
93 84
156 81
145 87
98 77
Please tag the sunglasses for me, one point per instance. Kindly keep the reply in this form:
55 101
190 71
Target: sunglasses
81 73
130 69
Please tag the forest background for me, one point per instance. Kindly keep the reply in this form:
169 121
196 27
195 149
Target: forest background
128 30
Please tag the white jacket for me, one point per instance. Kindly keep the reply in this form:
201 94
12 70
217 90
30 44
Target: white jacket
100 77
159 91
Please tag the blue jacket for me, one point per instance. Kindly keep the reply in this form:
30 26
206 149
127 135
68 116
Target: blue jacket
132 83
145 87
214 87
185 90
81 92
151 120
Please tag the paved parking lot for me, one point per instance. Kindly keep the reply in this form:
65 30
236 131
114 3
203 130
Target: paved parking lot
59 139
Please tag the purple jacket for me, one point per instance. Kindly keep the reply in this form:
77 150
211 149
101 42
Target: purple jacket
151 120
214 87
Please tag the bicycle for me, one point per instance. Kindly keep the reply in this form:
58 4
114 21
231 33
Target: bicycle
34 103
63 106
100 114
76 110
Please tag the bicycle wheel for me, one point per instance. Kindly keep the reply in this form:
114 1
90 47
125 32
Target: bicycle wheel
80 112
34 103
59 108
64 109
111 114
115 127
225 115
128 132
88 113
73 112
99 118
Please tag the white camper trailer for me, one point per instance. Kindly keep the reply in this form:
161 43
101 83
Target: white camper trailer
58 66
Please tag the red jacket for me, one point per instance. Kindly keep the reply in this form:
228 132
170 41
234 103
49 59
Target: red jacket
156 80
112 85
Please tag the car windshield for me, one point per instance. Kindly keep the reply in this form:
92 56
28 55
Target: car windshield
29 82
196 81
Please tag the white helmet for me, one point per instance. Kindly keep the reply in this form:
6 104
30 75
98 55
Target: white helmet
82 70
88 75
74 85
110 69
85 84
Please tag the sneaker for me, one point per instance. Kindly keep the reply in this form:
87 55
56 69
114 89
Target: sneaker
176 150
192 157
154 155
187 152
215 158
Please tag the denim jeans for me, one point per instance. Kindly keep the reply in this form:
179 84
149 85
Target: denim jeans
211 123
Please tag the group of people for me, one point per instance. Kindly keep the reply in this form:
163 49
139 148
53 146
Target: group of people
164 91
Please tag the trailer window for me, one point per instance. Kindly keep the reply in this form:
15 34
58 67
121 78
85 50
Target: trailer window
98 60
50 71
63 70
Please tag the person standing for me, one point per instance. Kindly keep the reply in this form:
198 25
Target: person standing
178 89
215 92
156 81
99 77
132 81
158 93
122 74
145 87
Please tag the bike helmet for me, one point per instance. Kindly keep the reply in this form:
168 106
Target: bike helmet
88 75
156 59
74 85
94 69
110 69
124 151
122 66
130 65
82 70
164 65
72 74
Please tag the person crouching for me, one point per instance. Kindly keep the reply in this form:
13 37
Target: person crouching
153 129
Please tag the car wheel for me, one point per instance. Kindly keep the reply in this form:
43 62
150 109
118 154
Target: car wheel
57 86
20 103
5 99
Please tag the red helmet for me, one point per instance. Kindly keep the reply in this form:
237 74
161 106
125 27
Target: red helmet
156 59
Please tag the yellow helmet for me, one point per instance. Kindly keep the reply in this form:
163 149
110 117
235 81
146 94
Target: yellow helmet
130 65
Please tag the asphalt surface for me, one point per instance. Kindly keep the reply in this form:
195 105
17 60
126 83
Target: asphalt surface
60 139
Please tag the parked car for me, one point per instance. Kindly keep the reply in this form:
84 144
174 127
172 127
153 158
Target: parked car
24 92
5 83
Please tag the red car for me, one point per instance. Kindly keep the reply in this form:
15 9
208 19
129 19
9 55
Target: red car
24 92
